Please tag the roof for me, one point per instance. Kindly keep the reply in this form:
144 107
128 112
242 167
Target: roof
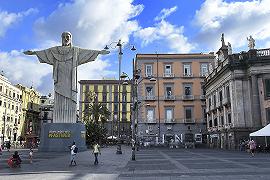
175 56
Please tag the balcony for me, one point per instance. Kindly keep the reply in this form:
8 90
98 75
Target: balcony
203 74
189 121
151 121
188 97
187 75
150 98
168 75
169 98
169 121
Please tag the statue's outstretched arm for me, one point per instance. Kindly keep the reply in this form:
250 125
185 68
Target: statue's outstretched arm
103 52
29 52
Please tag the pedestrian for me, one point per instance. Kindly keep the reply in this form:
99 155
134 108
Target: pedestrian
8 145
1 149
31 155
96 151
15 160
252 147
73 153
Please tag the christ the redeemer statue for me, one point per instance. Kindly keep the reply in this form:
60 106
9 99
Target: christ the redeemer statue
65 59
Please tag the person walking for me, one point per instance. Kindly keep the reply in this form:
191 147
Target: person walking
96 151
73 152
252 147
8 145
31 155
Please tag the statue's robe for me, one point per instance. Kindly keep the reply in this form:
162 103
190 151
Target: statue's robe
65 61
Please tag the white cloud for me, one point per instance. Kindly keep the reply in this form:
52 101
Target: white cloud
22 69
165 13
92 23
236 19
164 31
8 19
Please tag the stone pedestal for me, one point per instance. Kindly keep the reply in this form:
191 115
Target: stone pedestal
60 136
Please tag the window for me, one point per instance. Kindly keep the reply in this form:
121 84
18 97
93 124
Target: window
150 115
5 104
188 113
1 88
229 118
12 107
115 107
204 69
14 95
221 121
215 122
169 114
124 107
148 70
214 99
210 123
124 98
203 90
209 103
168 91
187 70
228 92
104 97
149 91
220 96
188 89
168 69
267 88
0 102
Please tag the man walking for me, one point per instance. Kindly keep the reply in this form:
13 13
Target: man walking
96 151
73 152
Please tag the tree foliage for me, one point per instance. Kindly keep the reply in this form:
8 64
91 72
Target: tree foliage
95 115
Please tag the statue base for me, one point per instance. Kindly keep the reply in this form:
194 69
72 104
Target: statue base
60 136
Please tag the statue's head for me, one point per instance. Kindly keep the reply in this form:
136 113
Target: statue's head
66 39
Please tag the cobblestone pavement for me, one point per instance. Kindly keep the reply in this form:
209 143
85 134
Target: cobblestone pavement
155 163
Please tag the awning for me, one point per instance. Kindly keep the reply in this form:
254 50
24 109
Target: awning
262 132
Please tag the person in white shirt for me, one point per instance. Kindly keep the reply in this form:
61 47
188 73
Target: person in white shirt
73 154
96 151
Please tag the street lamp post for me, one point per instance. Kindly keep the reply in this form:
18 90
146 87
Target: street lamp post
120 54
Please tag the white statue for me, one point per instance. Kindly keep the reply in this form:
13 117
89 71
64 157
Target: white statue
251 42
229 48
65 59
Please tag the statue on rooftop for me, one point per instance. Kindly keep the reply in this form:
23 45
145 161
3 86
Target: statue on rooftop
251 42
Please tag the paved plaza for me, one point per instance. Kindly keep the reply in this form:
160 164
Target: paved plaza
152 163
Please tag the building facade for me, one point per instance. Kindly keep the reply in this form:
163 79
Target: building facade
237 96
46 109
106 92
171 97
30 125
10 110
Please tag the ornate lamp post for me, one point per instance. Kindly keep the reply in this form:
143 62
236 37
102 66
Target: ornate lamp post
119 44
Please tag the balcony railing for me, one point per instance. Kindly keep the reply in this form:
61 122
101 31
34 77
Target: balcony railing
187 75
189 120
168 75
169 97
169 121
150 98
151 121
263 52
203 74
188 97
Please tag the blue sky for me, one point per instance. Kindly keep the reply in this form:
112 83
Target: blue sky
163 26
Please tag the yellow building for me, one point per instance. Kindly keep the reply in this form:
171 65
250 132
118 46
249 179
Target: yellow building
107 93
10 110
30 121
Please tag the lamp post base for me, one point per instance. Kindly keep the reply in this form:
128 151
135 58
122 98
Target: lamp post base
119 151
